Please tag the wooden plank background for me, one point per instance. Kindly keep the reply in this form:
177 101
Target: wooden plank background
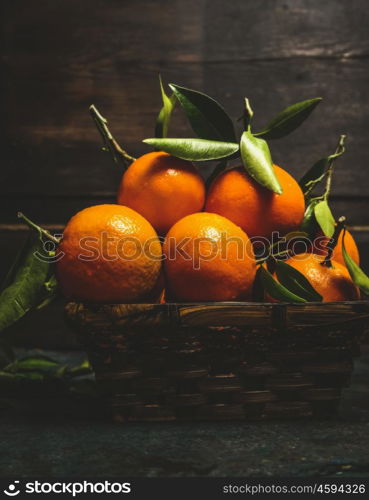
60 56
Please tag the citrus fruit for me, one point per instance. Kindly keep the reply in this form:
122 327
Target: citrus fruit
111 254
257 210
333 283
162 188
321 243
208 258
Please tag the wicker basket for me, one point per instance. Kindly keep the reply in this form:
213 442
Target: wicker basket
220 361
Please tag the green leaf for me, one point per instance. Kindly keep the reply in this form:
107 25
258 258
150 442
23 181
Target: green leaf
357 274
325 218
13 268
277 290
164 116
258 293
289 119
207 118
296 282
32 365
194 149
314 174
51 289
317 172
257 161
29 277
309 224
81 369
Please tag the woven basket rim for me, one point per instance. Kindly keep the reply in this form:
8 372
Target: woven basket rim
221 303
253 314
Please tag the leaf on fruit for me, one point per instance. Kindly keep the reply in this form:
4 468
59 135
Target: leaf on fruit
357 274
258 163
289 119
309 224
165 114
325 218
207 117
194 149
296 282
275 289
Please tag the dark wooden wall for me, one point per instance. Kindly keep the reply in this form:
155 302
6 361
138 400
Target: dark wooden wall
59 56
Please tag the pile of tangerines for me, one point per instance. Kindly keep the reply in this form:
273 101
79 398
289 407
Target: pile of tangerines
173 237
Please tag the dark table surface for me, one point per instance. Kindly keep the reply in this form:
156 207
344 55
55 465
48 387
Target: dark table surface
49 437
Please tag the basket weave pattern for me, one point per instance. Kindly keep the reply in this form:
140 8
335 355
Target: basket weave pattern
166 362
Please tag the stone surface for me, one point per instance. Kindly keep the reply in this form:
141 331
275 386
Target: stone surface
85 448
53 437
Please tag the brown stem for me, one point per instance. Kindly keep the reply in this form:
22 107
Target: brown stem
120 156
247 115
339 151
38 228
